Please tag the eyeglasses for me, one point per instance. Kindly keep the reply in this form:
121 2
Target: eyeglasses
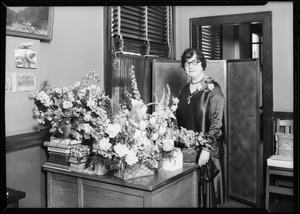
194 62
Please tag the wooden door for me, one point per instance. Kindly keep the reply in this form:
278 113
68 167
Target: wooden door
243 124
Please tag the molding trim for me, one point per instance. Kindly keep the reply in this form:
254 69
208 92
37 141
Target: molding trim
25 141
282 115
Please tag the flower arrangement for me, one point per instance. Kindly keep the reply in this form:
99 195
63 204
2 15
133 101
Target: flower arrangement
80 107
136 138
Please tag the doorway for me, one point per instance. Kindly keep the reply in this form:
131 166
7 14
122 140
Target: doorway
264 19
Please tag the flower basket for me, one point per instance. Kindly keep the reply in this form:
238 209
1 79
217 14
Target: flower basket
100 168
138 170
175 162
189 155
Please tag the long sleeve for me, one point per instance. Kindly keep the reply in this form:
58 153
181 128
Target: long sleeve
216 112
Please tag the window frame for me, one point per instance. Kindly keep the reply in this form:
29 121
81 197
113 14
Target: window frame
109 55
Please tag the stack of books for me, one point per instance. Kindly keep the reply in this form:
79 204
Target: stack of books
78 157
59 152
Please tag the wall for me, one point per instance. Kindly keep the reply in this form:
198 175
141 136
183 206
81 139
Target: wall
282 30
76 48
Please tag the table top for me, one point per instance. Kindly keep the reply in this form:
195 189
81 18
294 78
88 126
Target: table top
148 183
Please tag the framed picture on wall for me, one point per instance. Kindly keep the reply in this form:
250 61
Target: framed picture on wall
30 22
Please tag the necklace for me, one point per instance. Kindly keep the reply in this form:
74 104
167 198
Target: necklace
194 83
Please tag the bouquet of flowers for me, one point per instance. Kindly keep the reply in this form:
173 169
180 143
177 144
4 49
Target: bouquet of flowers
78 111
137 141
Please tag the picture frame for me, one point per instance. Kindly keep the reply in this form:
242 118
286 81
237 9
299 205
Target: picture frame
30 22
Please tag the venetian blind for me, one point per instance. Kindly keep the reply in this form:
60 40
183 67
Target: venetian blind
142 30
211 42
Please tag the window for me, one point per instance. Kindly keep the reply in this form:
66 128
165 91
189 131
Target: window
211 42
257 41
142 30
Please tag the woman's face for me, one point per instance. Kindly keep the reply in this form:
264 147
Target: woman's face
193 71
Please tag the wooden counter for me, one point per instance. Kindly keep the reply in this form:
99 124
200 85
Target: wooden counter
164 189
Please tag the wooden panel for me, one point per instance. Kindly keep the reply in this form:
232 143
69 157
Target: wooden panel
167 72
217 70
120 76
98 197
71 189
281 190
25 141
243 129
182 193
63 194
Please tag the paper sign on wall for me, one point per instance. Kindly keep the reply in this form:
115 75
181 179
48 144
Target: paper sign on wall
10 82
25 57
26 81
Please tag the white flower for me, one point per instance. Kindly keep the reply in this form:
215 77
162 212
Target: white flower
175 100
58 91
113 130
139 107
152 120
104 144
44 98
76 84
174 108
131 158
87 128
87 117
91 103
67 104
71 96
154 136
121 149
211 86
138 134
65 89
168 145
162 129
143 125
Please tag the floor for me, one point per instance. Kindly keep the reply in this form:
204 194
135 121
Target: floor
281 204
278 204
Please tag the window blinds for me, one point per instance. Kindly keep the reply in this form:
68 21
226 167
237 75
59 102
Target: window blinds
211 42
142 30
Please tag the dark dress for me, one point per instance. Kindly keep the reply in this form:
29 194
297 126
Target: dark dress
203 111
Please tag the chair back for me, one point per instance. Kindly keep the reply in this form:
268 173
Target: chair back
285 126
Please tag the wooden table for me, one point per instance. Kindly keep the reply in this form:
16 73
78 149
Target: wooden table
13 196
164 189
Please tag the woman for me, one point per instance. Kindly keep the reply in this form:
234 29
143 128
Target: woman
200 108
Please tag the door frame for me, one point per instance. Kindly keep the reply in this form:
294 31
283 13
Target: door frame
267 75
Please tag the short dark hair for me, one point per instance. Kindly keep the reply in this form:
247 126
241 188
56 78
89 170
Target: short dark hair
189 53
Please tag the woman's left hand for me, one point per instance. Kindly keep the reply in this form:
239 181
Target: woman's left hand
204 156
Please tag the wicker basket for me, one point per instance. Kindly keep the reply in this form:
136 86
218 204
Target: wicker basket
189 155
139 170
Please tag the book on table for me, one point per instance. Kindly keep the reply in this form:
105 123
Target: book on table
57 166
61 143
58 156
78 160
59 150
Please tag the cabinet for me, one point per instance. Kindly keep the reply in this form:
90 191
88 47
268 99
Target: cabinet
164 189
